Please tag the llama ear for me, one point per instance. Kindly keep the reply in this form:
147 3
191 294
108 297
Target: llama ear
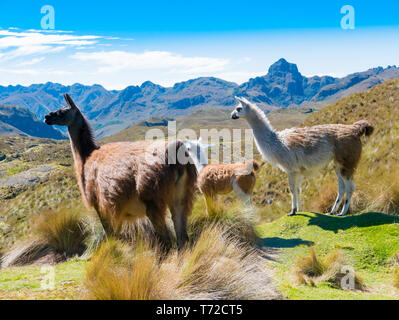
69 101
243 101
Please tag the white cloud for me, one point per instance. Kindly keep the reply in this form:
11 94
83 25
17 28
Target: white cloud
24 72
33 72
30 62
111 61
15 44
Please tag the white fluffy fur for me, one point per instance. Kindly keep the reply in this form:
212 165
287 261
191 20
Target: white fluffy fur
298 162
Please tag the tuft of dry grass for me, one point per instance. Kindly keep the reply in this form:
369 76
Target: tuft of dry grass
216 267
310 269
57 235
388 199
62 230
309 266
236 220
34 251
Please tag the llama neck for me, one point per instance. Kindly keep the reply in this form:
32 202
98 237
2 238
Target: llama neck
260 125
82 142
266 139
198 165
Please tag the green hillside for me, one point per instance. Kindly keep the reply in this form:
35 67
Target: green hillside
368 241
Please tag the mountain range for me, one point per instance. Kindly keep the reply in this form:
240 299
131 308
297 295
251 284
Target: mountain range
15 120
113 110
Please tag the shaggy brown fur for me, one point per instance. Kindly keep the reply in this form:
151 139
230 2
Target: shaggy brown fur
128 180
217 179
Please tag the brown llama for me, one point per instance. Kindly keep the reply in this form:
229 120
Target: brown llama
124 181
220 179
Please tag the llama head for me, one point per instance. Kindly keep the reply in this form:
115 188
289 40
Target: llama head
198 151
64 116
242 110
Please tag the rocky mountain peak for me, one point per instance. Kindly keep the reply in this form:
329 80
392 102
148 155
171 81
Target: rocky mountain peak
282 66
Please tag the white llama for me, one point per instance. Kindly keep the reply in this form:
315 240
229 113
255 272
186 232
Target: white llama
302 152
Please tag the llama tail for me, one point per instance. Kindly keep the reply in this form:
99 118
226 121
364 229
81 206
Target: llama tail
364 127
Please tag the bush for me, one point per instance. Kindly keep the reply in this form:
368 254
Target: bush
309 266
236 220
387 200
62 230
57 235
217 267
311 269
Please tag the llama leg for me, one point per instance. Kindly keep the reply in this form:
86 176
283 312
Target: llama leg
292 179
240 193
341 193
179 217
349 189
246 198
108 227
298 194
157 218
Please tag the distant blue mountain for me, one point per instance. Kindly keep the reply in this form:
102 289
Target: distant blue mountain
111 111
20 121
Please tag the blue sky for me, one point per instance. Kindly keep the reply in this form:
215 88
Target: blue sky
122 43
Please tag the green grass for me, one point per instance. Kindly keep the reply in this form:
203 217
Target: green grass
369 241
26 282
17 169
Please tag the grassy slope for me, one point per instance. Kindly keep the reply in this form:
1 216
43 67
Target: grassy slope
369 240
19 204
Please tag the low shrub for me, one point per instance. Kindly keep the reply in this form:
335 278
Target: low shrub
311 269
216 267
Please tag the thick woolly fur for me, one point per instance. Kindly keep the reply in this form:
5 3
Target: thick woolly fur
127 180
215 179
218 178
133 182
302 152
